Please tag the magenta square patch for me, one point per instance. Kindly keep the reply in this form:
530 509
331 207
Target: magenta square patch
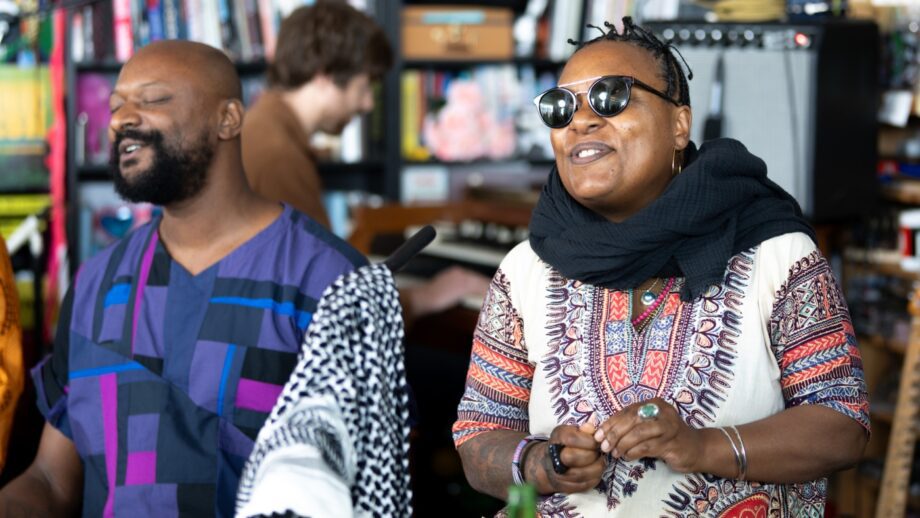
142 468
257 395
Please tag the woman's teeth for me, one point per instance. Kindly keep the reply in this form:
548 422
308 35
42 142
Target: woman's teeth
132 148
585 153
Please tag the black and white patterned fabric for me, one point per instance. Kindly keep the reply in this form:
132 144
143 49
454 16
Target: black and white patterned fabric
337 440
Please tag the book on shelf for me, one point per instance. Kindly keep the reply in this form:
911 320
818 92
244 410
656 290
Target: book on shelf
246 48
155 19
174 20
25 102
123 33
229 29
269 21
410 93
245 29
77 37
140 28
101 31
91 141
565 22
209 24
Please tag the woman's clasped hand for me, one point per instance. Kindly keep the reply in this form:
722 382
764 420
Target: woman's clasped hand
625 436
580 453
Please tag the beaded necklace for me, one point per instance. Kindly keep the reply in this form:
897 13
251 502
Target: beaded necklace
639 323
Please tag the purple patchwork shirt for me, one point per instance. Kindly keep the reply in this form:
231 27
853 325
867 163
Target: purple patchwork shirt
162 379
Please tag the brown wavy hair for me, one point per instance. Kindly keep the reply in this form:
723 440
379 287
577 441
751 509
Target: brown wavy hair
332 38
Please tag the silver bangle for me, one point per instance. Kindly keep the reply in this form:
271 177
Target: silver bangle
734 449
743 462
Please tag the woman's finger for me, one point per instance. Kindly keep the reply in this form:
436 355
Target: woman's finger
640 433
573 437
620 425
576 457
581 478
654 447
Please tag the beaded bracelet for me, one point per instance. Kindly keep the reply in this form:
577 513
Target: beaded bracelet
742 462
516 473
737 453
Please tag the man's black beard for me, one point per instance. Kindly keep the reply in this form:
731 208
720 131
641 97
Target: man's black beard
175 175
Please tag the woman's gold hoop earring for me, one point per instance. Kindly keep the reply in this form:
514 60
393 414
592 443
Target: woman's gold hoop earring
676 165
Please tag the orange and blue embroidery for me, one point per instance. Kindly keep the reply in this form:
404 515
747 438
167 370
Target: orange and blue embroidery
500 377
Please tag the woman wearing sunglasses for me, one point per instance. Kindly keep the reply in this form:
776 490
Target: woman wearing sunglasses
670 342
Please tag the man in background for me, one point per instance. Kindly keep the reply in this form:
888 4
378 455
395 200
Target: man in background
174 343
327 59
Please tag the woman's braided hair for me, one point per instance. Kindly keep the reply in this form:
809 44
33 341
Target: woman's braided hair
633 34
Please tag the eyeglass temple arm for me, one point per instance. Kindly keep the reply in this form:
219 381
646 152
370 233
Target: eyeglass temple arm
655 91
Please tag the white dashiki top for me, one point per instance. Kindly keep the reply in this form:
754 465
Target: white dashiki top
775 334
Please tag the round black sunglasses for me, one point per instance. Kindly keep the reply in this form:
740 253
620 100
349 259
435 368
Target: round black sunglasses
607 96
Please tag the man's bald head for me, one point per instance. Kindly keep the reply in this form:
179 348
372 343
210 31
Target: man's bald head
176 121
209 69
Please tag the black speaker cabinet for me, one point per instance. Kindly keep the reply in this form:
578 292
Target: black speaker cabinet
802 96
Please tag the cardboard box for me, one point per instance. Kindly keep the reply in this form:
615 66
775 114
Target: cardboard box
457 32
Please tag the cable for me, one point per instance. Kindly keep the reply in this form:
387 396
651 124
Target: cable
47 7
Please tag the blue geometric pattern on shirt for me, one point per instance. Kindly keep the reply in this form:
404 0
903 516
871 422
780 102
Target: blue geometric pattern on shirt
819 357
99 371
282 308
502 374
619 336
659 333
171 423
474 401
118 294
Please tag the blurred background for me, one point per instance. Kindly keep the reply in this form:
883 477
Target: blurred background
827 92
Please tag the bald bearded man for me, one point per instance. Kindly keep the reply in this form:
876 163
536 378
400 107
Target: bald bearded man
174 343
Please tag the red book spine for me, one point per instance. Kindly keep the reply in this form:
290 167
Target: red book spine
124 37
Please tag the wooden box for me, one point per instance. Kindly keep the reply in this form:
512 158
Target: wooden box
457 32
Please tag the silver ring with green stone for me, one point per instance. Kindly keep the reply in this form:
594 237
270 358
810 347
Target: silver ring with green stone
648 411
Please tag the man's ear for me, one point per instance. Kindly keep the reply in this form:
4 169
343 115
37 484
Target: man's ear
683 119
231 119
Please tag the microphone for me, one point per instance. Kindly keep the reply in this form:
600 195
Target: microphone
410 248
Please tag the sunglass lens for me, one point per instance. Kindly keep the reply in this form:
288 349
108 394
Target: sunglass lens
556 108
609 96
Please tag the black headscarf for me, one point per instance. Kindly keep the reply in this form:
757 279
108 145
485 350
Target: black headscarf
721 204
